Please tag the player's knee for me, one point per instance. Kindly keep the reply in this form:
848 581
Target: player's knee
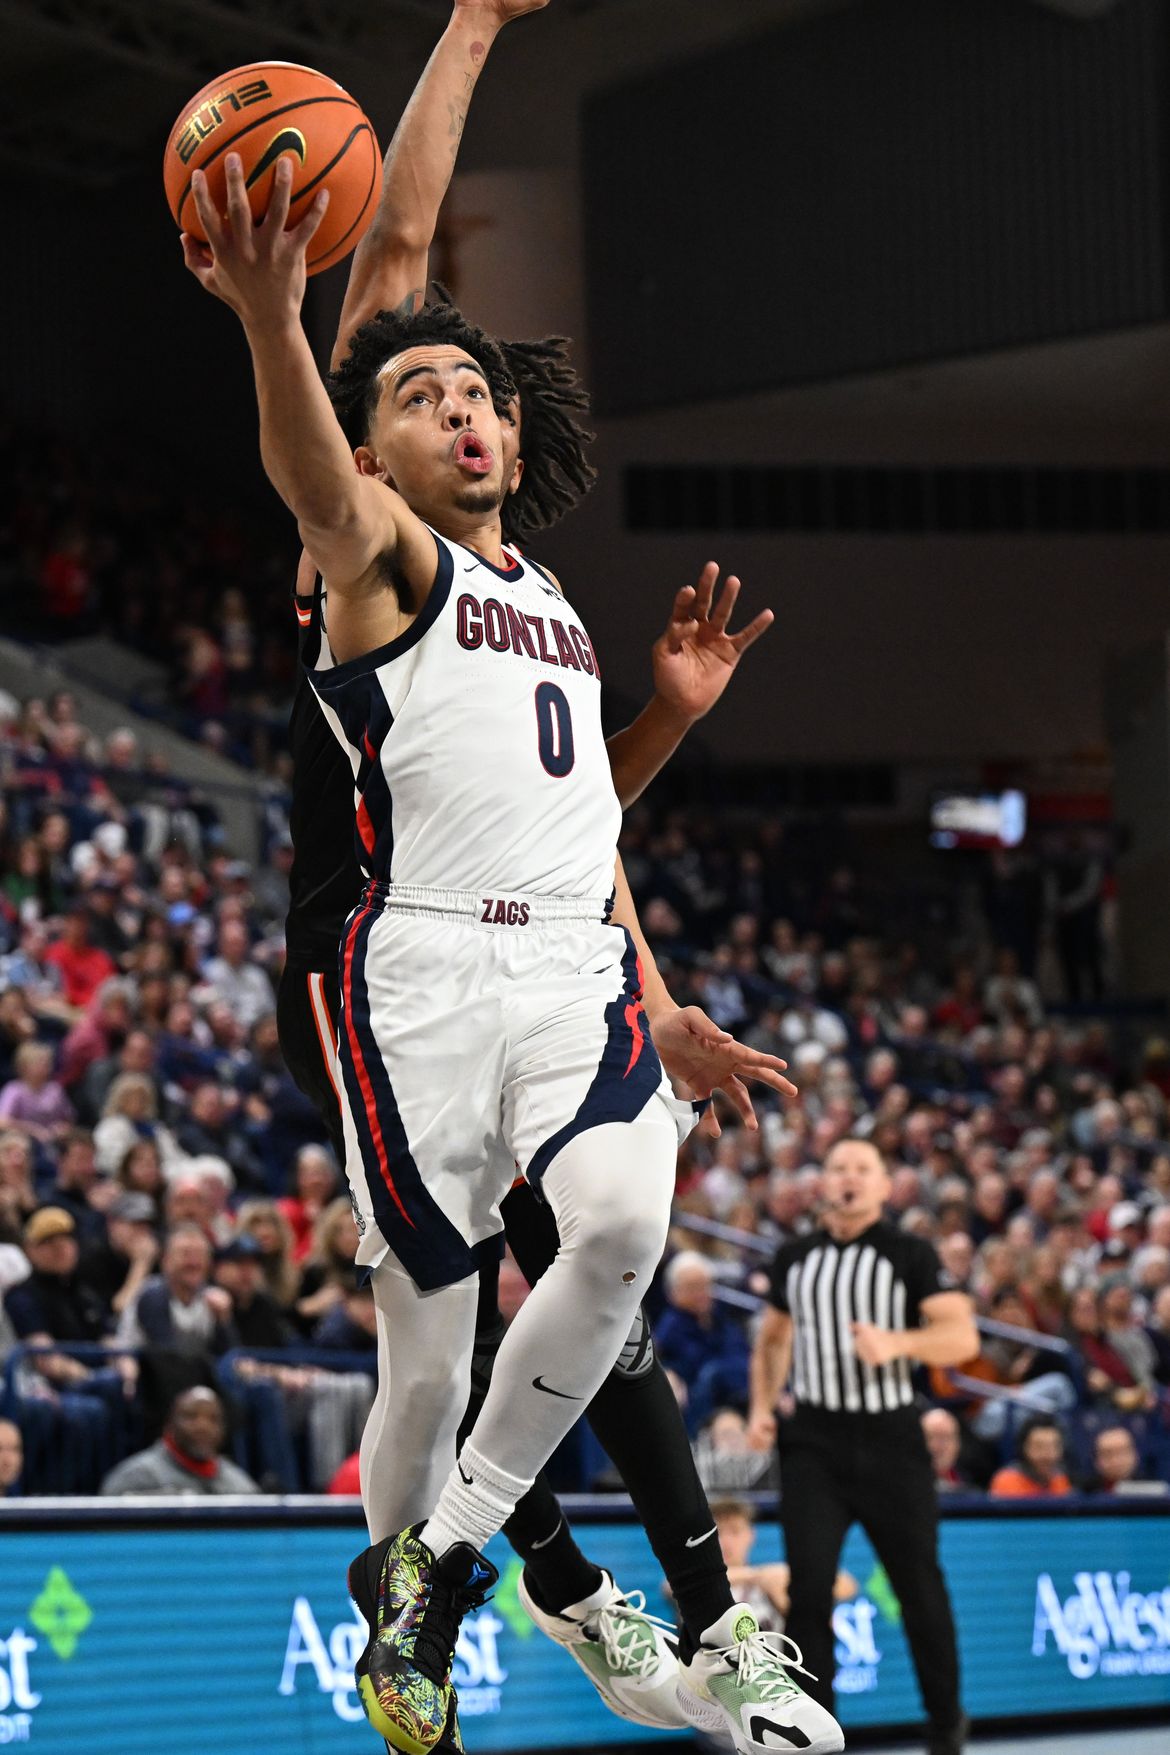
624 1238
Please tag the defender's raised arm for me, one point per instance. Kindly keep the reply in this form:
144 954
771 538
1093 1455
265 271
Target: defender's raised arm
389 266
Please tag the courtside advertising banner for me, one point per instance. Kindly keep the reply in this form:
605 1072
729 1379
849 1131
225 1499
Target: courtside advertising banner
231 1637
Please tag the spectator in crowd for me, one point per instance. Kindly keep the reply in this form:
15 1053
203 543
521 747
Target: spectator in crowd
11 1459
350 1325
257 1318
130 1114
956 1251
186 1459
266 1225
83 965
99 1032
140 1170
32 1100
1123 1334
1117 1465
78 1187
235 980
328 1274
1158 1332
55 1303
17 1193
700 1341
315 1184
179 1310
1109 1375
725 1461
119 1267
944 1442
213 1128
1038 1471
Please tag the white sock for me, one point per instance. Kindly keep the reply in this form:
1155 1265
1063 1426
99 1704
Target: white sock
472 1510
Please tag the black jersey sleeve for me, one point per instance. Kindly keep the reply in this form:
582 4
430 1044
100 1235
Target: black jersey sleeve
924 1276
778 1277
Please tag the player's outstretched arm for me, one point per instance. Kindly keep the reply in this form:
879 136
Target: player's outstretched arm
389 266
348 522
694 660
692 1048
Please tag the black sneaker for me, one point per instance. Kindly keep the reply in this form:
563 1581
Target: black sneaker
413 1604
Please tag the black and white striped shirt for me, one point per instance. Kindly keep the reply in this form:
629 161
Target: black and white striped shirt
881 1276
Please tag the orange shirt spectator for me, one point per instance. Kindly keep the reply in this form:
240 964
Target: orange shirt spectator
1038 1471
1016 1483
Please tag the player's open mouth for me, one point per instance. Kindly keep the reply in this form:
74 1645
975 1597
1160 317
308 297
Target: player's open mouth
472 454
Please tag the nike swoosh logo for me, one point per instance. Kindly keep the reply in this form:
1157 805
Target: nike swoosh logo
696 1541
758 1728
288 140
537 1384
466 1479
548 1539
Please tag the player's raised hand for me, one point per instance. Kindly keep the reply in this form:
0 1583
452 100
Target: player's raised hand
705 1058
501 10
259 270
695 657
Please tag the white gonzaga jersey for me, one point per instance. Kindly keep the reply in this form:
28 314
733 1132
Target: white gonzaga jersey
475 739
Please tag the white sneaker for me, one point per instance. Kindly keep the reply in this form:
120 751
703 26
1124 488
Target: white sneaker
625 1653
738 1682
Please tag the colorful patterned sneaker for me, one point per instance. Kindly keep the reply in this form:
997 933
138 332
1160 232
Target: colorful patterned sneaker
413 1604
625 1653
738 1682
451 1741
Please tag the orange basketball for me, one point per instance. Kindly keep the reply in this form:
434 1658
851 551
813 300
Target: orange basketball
264 111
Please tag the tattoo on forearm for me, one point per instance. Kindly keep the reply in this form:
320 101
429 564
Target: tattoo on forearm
477 52
411 303
458 117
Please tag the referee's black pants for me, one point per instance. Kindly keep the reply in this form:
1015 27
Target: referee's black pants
871 1469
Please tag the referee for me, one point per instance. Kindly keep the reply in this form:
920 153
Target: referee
851 1308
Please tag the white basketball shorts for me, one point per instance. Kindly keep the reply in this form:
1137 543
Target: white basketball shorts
478 1035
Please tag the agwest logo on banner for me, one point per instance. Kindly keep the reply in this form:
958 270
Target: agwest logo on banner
478 1673
1104 1627
856 1647
18 1699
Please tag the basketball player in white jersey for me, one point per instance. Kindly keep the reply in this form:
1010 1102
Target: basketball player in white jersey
491 1011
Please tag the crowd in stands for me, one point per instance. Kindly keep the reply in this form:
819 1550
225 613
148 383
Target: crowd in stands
171 1220
204 589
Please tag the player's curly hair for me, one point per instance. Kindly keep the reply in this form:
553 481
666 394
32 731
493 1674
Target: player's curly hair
557 472
553 438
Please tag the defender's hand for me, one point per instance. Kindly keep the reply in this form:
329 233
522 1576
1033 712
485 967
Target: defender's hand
696 656
259 270
706 1059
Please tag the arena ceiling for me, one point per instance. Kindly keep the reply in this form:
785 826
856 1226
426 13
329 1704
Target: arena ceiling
91 87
